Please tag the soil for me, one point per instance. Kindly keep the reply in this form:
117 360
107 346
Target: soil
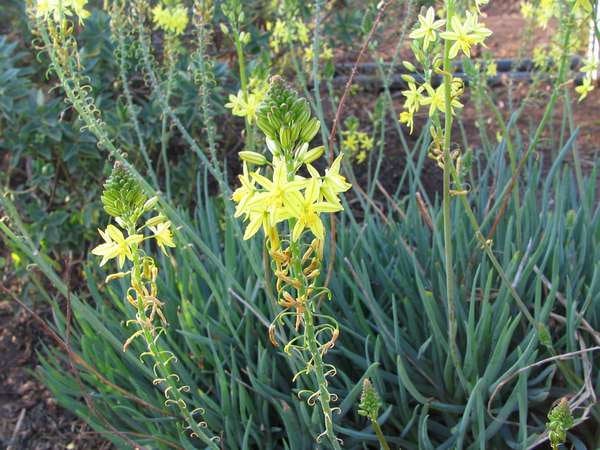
30 417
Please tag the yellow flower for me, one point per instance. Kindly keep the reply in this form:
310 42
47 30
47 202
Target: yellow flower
116 245
277 193
333 182
256 220
163 235
361 157
585 88
306 210
366 141
584 6
350 142
427 29
527 10
237 104
244 193
45 8
246 108
413 97
465 34
408 118
78 8
302 32
437 100
171 19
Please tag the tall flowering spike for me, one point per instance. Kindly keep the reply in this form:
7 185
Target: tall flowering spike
123 197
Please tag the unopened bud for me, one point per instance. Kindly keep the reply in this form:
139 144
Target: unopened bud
313 154
150 203
409 66
253 157
152 222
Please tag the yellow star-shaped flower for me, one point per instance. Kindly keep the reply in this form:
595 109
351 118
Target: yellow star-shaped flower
163 235
116 245
307 211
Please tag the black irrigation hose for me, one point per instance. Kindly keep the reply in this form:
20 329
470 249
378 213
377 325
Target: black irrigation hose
507 69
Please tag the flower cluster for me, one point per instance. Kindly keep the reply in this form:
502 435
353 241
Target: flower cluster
171 19
124 200
355 143
287 32
463 33
61 8
267 201
572 13
587 85
247 106
285 196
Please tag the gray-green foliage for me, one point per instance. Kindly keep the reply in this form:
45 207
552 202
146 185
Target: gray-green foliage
389 287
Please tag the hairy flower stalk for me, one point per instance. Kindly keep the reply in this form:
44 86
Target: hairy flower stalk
124 200
288 208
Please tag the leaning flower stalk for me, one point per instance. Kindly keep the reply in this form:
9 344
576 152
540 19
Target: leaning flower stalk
124 200
288 208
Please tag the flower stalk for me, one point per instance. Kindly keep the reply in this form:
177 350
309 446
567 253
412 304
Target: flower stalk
124 200
288 208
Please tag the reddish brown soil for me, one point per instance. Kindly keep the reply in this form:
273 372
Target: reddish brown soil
29 416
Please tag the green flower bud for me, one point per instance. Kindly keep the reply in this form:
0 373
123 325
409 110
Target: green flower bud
409 66
153 221
313 154
310 130
369 401
560 420
123 197
253 158
151 203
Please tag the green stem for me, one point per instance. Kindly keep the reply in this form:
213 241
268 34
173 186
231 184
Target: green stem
380 436
129 99
164 135
239 48
310 339
172 391
447 200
